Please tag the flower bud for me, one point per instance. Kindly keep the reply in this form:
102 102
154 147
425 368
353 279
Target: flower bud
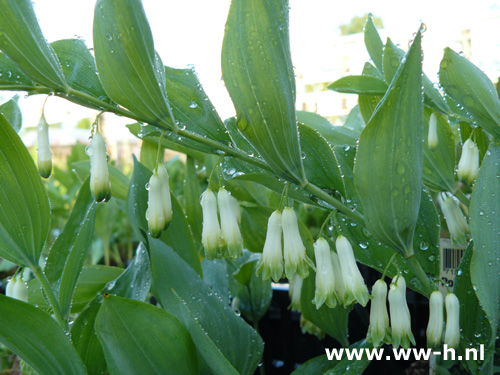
210 236
340 290
231 234
294 290
452 333
296 260
432 136
455 219
309 327
468 166
356 289
271 261
155 214
379 318
166 200
436 323
325 279
400 314
44 154
9 289
20 291
99 175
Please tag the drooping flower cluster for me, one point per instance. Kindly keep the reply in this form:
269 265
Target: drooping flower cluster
468 166
291 256
17 288
455 219
436 324
159 213
44 154
222 240
100 186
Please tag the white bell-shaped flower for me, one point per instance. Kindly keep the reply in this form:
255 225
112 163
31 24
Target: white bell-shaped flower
432 136
9 289
436 321
271 261
325 278
296 259
356 289
100 186
340 290
294 290
379 318
455 219
452 333
44 154
211 233
17 288
230 230
400 314
468 166
165 194
155 214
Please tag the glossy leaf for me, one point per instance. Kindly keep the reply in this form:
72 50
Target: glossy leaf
257 71
70 249
12 113
131 349
319 160
388 171
137 200
35 337
363 85
335 135
129 68
254 227
485 229
373 43
149 154
23 42
11 75
192 194
391 59
316 365
472 89
25 211
216 277
182 293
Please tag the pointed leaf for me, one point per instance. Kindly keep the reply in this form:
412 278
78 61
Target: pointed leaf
335 135
388 171
25 211
11 75
258 73
373 43
363 85
192 193
12 113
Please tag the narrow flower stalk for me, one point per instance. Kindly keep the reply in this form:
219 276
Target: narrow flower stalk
165 194
452 333
436 322
455 219
356 289
271 261
432 136
340 289
400 314
44 154
325 278
468 166
231 235
100 185
294 290
211 233
155 214
296 259
379 318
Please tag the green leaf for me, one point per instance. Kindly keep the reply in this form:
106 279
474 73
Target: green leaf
90 282
216 277
131 348
388 171
11 75
254 227
353 366
363 85
335 135
391 59
439 164
70 249
373 43
472 90
320 163
191 106
192 193
225 343
78 66
12 113
258 73
137 200
149 154
129 68
316 365
35 337
22 41
25 210
485 229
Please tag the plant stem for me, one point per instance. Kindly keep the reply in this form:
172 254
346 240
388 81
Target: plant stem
50 295
461 197
420 274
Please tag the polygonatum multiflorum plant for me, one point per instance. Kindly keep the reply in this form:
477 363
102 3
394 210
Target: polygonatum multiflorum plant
284 195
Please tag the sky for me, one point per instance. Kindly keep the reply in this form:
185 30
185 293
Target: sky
191 32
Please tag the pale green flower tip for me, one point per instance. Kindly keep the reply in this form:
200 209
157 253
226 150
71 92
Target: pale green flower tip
295 289
452 333
309 327
165 192
45 168
9 290
211 233
468 166
102 194
154 214
432 138
362 296
435 326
